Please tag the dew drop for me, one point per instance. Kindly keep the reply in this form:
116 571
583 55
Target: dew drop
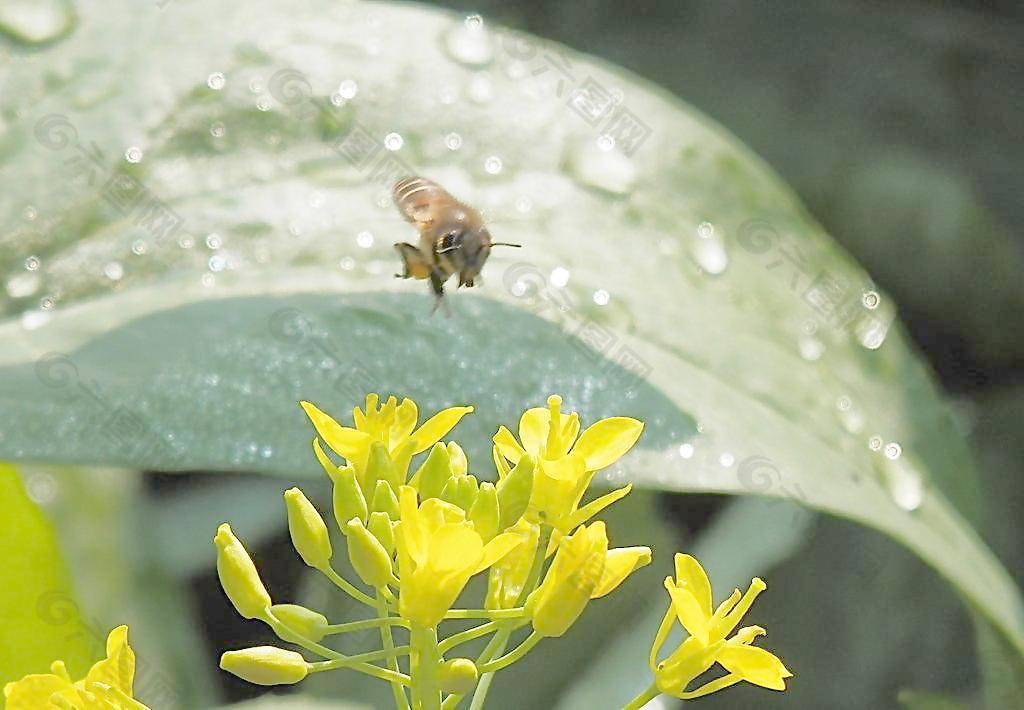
601 297
139 247
32 320
114 271
364 240
263 104
216 81
23 285
559 276
608 170
213 241
41 488
903 481
46 303
133 154
216 263
217 129
871 299
32 263
727 459
875 443
453 141
893 450
493 164
686 451
30 213
709 252
605 142
811 349
469 42
347 89
36 21
393 141
347 263
523 205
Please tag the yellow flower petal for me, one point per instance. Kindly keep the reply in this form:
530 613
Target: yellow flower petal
606 441
688 611
594 507
533 429
691 575
506 443
344 441
412 537
619 564
118 668
435 428
453 548
755 665
33 691
497 548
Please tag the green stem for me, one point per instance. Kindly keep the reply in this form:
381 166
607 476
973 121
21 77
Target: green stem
512 656
643 698
425 667
468 635
388 642
495 646
365 624
319 666
514 613
286 633
501 638
347 587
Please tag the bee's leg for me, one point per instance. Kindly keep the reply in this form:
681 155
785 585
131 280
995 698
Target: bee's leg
413 263
437 286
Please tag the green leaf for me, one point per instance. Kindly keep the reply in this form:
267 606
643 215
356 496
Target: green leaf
38 613
698 291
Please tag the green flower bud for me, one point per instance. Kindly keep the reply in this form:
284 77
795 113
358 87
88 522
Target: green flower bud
369 558
379 467
301 620
459 675
514 492
349 501
308 530
384 500
484 511
383 529
238 576
265 665
431 476
460 491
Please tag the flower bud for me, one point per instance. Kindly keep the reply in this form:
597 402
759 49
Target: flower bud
379 467
308 530
508 576
301 620
484 511
459 676
383 529
349 501
570 581
265 665
369 558
460 464
433 473
514 492
238 576
384 500
460 491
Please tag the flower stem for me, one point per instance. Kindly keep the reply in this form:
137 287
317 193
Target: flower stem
643 698
425 665
349 661
514 613
401 701
512 656
347 587
468 635
365 624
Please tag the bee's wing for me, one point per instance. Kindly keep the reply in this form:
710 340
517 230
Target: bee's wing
421 201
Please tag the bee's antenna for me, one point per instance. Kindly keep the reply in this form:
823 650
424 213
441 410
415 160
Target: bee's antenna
506 244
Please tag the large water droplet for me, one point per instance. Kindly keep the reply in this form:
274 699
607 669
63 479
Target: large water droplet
36 21
708 250
607 170
902 480
133 154
216 81
23 285
470 42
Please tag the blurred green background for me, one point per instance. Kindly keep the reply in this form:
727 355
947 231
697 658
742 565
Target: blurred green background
896 125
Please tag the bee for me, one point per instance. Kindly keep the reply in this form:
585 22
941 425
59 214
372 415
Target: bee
453 238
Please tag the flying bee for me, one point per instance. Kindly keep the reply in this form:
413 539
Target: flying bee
453 238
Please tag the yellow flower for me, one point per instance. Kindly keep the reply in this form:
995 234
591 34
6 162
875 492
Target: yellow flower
584 569
107 686
438 551
392 424
691 599
565 465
